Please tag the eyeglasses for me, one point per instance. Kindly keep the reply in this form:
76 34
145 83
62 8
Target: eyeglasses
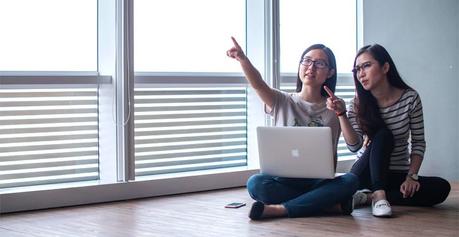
316 63
363 66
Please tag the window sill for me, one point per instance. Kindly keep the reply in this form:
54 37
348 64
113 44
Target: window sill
33 198
70 194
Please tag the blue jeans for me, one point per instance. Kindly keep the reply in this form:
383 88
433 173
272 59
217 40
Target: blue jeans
302 197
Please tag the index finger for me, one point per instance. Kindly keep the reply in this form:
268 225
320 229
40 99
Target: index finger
329 92
235 42
402 189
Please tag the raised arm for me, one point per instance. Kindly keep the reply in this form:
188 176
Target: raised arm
252 75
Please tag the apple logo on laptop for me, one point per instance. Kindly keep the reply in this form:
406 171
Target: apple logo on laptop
295 153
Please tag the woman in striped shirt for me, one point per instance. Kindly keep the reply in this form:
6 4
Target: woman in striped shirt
388 114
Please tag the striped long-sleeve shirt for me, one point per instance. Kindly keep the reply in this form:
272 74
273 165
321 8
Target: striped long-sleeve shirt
405 120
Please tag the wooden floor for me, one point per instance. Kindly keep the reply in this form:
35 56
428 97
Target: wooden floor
203 214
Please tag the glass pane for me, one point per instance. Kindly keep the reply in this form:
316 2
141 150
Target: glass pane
307 22
48 135
187 36
48 35
183 128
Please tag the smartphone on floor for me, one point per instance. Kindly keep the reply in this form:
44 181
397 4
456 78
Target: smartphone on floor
235 205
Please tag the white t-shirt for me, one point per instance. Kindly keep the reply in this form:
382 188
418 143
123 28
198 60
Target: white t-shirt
290 109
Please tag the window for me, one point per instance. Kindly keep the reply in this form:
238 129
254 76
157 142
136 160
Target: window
306 22
48 123
186 36
186 126
333 23
48 35
80 101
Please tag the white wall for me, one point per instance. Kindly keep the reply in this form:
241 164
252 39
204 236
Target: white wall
422 36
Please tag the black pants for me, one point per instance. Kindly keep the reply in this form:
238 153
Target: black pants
372 169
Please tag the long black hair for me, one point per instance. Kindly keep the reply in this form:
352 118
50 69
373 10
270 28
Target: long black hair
330 82
368 114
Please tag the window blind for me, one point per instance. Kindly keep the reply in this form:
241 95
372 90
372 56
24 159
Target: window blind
179 129
48 136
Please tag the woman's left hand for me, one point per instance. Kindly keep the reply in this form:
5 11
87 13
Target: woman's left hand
334 103
409 187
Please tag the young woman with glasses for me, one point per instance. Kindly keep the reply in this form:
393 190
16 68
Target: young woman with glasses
388 114
293 197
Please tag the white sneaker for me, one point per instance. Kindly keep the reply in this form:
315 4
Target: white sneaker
381 208
360 198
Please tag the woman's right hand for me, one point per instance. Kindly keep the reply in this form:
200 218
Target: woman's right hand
236 51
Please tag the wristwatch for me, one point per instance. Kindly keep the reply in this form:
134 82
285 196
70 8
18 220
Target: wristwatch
413 176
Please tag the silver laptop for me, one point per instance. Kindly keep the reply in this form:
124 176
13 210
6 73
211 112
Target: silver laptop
296 152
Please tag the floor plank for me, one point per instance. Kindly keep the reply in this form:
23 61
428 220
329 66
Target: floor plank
203 214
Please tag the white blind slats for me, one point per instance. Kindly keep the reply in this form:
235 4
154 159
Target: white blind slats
41 171
186 126
49 110
185 105
192 141
139 138
181 129
187 152
188 139
64 161
186 102
26 157
37 180
188 112
17 148
189 167
227 156
45 137
34 104
38 129
190 128
184 96
48 136
45 119
189 160
178 109
197 119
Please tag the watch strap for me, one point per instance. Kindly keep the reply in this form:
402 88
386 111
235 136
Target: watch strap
413 176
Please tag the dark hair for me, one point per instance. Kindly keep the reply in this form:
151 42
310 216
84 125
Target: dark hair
368 114
330 82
